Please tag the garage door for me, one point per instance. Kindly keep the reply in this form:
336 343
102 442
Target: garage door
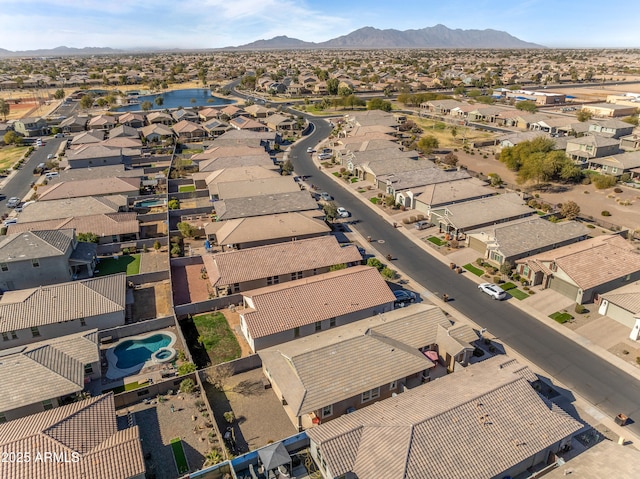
567 289
476 244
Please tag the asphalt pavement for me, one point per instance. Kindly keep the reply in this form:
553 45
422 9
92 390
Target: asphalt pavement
597 381
19 182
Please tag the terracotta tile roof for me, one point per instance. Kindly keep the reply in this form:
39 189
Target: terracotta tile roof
87 428
266 228
478 422
297 303
62 302
97 187
282 258
102 225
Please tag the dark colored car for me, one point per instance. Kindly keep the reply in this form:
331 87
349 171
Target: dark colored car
404 296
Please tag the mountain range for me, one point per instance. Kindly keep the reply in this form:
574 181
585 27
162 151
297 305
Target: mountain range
438 36
59 51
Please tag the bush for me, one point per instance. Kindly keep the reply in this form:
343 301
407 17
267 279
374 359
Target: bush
580 309
173 204
605 213
375 262
388 273
617 190
229 416
187 386
497 279
602 182
186 368
480 261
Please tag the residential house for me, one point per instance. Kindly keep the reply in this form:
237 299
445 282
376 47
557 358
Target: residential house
262 160
363 163
31 127
242 270
215 128
208 113
214 152
611 128
257 187
132 119
102 122
609 110
74 124
87 430
57 370
182 114
513 139
459 218
418 433
245 123
508 242
584 270
124 131
337 371
617 165
229 112
91 137
98 187
47 312
283 312
187 130
233 137
256 231
83 206
267 204
552 126
441 188
279 122
90 156
630 142
212 179
622 304
36 258
439 107
159 118
258 111
587 147
156 133
110 227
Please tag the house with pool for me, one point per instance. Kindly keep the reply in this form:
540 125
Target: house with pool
48 312
134 354
47 374
283 312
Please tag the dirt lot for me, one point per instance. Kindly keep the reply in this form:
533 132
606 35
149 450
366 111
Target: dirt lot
152 300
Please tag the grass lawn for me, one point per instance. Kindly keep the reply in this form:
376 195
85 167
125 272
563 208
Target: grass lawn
129 263
218 339
10 154
435 240
516 293
186 188
179 455
128 387
507 286
375 200
561 317
469 267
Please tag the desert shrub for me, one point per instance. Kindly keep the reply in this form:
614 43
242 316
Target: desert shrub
602 182
605 213
617 190
580 309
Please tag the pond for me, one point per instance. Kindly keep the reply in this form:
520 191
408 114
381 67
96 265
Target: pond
177 98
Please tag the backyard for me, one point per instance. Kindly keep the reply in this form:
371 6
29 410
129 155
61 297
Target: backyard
129 264
215 335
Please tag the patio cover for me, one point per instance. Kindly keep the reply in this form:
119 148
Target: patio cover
274 455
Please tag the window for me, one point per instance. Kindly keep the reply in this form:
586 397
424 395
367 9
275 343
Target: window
614 170
35 263
236 287
48 404
34 332
315 271
297 275
318 325
88 369
4 267
393 385
14 335
525 271
273 280
83 322
327 411
332 322
604 167
370 395
5 337
296 332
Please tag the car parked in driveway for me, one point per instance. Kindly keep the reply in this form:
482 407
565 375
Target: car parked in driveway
342 212
493 290
13 202
422 225
404 296
324 196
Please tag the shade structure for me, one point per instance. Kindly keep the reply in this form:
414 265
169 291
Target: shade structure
274 455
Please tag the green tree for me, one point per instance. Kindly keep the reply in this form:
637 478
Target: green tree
388 273
454 132
146 105
526 105
427 144
494 179
632 120
186 368
506 268
570 210
173 204
87 237
248 82
187 386
332 86
59 94
86 101
375 263
5 108
584 115
330 211
287 168
12 138
187 230
344 91
159 101
378 104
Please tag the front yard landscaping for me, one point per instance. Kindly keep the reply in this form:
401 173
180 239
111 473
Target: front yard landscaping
128 263
216 337
513 291
561 316
186 188
472 269
436 241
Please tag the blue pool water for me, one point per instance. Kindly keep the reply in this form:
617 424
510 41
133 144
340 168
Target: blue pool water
178 98
137 351
149 203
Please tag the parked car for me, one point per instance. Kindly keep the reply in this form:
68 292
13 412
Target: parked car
493 290
404 296
310 149
13 202
342 212
422 225
10 221
50 156
51 174
324 196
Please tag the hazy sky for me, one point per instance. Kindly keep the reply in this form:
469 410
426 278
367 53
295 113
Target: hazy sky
30 24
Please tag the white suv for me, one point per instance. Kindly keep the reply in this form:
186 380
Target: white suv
13 202
493 290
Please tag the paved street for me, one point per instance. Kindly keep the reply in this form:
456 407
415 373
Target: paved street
596 380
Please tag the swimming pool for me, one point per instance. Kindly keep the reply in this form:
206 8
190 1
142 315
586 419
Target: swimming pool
132 354
149 203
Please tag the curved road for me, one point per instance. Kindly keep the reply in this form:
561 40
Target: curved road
600 383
